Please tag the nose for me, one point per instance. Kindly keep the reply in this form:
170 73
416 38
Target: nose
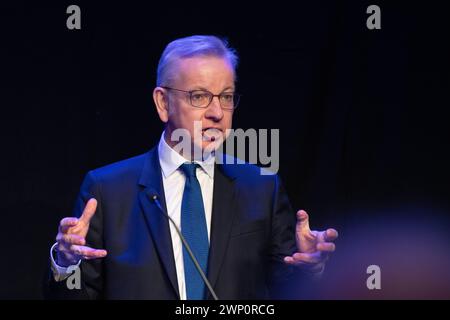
214 110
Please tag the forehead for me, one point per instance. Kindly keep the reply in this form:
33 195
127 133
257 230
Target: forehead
204 71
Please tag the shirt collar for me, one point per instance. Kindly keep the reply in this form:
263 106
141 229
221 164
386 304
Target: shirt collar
170 160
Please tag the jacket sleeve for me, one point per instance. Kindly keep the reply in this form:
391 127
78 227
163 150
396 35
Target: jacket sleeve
282 242
285 281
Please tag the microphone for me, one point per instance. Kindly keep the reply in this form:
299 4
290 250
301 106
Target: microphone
155 199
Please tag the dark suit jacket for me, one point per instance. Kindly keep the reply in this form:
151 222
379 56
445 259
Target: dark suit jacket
252 229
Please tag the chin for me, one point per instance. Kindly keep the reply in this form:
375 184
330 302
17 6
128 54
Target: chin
208 145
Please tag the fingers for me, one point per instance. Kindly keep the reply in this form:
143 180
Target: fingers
290 260
321 255
304 258
303 218
324 243
330 235
313 268
71 248
326 247
327 236
67 223
88 252
69 239
89 211
303 222
303 225
86 216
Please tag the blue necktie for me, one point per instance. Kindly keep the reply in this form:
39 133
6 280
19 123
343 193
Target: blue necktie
193 228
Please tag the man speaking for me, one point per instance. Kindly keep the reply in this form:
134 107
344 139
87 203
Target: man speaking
170 224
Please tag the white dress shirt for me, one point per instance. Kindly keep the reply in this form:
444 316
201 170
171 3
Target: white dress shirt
173 183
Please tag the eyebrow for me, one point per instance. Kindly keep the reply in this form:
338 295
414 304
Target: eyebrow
204 89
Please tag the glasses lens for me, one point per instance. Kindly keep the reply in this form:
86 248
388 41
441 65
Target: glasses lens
200 98
227 100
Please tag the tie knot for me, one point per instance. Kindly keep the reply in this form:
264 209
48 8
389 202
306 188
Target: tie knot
188 169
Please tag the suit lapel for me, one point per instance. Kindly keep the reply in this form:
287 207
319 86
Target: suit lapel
222 219
157 222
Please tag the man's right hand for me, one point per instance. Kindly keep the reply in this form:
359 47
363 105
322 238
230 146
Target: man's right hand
71 238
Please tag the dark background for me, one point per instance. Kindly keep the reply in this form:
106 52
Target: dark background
363 118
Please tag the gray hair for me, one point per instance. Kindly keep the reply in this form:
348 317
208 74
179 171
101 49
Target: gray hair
193 46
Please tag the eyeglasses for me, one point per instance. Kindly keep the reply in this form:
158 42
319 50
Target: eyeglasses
203 98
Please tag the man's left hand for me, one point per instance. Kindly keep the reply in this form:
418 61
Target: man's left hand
313 247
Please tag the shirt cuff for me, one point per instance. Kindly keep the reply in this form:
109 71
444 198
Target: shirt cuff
59 273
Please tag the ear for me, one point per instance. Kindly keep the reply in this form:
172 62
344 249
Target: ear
161 102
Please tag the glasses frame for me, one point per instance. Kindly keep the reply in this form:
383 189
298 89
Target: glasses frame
236 97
